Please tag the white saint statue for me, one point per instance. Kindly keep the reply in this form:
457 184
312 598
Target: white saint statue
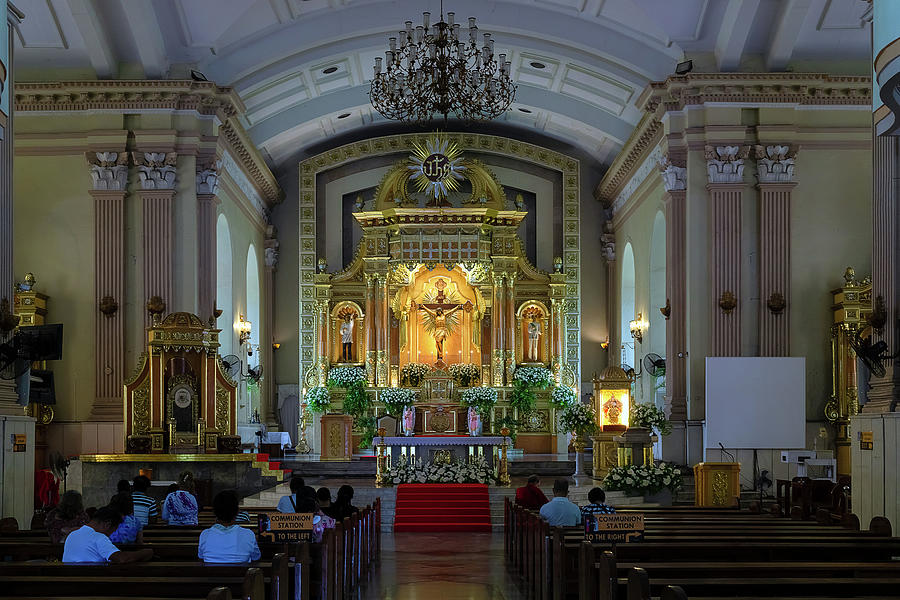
347 338
534 336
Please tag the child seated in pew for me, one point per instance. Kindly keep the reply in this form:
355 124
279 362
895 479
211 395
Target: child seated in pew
91 543
180 507
226 542
288 504
130 530
597 498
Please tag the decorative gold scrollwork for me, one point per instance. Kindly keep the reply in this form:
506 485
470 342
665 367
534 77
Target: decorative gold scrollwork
720 488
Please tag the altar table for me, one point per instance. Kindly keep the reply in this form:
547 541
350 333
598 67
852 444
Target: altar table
431 448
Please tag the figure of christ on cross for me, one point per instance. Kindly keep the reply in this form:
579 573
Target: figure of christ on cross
440 318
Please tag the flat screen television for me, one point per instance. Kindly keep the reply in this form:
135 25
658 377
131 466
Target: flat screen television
41 342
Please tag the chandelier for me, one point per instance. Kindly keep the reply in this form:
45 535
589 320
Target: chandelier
431 70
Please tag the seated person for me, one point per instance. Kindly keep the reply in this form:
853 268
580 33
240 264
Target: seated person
323 497
123 486
68 516
90 543
226 542
596 497
242 517
288 504
530 495
343 505
180 507
306 503
561 512
146 509
130 529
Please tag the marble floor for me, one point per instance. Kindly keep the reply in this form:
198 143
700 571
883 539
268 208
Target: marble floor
445 566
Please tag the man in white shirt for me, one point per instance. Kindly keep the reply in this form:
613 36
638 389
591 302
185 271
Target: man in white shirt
90 543
560 511
226 542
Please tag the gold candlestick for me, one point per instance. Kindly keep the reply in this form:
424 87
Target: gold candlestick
380 459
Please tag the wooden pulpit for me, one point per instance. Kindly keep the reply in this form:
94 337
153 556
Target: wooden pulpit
717 484
337 437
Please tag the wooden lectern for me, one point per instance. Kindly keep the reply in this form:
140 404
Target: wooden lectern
337 437
717 484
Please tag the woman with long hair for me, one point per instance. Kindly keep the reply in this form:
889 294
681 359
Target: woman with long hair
181 507
68 516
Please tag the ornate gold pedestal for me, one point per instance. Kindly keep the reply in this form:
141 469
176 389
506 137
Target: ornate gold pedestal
337 438
606 452
717 484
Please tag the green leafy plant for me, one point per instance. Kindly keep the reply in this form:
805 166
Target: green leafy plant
649 416
512 424
482 399
357 401
318 399
369 427
522 398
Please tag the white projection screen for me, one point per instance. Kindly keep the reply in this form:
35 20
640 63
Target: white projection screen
756 403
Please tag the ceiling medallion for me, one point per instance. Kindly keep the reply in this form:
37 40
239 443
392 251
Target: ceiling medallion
436 168
429 70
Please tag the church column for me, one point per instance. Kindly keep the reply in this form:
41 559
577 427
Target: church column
776 180
266 349
675 182
109 175
207 183
156 171
608 250
510 348
725 167
497 320
371 349
382 370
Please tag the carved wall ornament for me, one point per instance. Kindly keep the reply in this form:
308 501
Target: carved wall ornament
208 177
878 318
776 303
109 170
666 310
272 256
156 305
674 177
727 302
725 164
156 170
108 306
608 243
775 164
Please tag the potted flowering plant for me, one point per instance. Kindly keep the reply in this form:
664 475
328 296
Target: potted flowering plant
578 418
412 374
346 377
476 470
480 401
465 374
644 480
397 399
648 416
562 396
532 377
318 399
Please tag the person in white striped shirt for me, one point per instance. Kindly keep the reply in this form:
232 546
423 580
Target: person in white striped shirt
146 509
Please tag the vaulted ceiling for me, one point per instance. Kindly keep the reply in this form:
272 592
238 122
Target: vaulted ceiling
302 66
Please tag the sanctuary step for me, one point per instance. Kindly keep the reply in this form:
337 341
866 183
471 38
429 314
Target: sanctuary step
442 507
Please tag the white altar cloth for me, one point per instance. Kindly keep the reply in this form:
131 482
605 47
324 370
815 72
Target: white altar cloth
279 437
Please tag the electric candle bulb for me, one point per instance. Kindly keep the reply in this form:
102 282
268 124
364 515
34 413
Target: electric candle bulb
450 17
426 19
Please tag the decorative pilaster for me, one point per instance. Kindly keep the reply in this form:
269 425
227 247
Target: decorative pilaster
8 398
109 176
156 173
382 370
725 167
207 184
266 348
497 322
608 252
885 391
509 350
371 348
776 180
675 181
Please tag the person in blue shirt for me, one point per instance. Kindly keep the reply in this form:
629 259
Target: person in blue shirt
130 529
91 544
227 542
597 506
560 511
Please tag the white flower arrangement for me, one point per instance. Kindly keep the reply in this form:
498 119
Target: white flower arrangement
649 416
318 399
413 373
476 470
562 396
396 399
533 376
577 418
465 374
644 480
346 377
482 399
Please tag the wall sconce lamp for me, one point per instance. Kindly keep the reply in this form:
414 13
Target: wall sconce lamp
244 329
275 345
637 328
605 343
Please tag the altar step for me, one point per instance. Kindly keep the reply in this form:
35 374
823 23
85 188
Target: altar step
442 507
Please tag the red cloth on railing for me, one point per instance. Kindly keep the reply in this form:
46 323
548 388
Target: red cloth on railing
46 489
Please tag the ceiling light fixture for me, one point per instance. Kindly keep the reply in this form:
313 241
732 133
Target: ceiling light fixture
537 65
683 68
329 70
432 70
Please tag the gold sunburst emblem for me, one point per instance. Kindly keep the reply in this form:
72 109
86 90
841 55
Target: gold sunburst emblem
437 168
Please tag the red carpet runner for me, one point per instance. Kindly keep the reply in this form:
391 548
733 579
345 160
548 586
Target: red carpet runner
442 507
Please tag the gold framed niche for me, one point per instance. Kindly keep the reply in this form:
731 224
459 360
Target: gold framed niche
528 311
181 393
338 314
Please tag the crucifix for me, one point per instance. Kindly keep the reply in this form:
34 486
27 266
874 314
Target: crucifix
441 318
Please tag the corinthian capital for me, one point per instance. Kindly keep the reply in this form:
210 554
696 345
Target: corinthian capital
725 164
156 169
208 177
109 170
775 164
674 178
